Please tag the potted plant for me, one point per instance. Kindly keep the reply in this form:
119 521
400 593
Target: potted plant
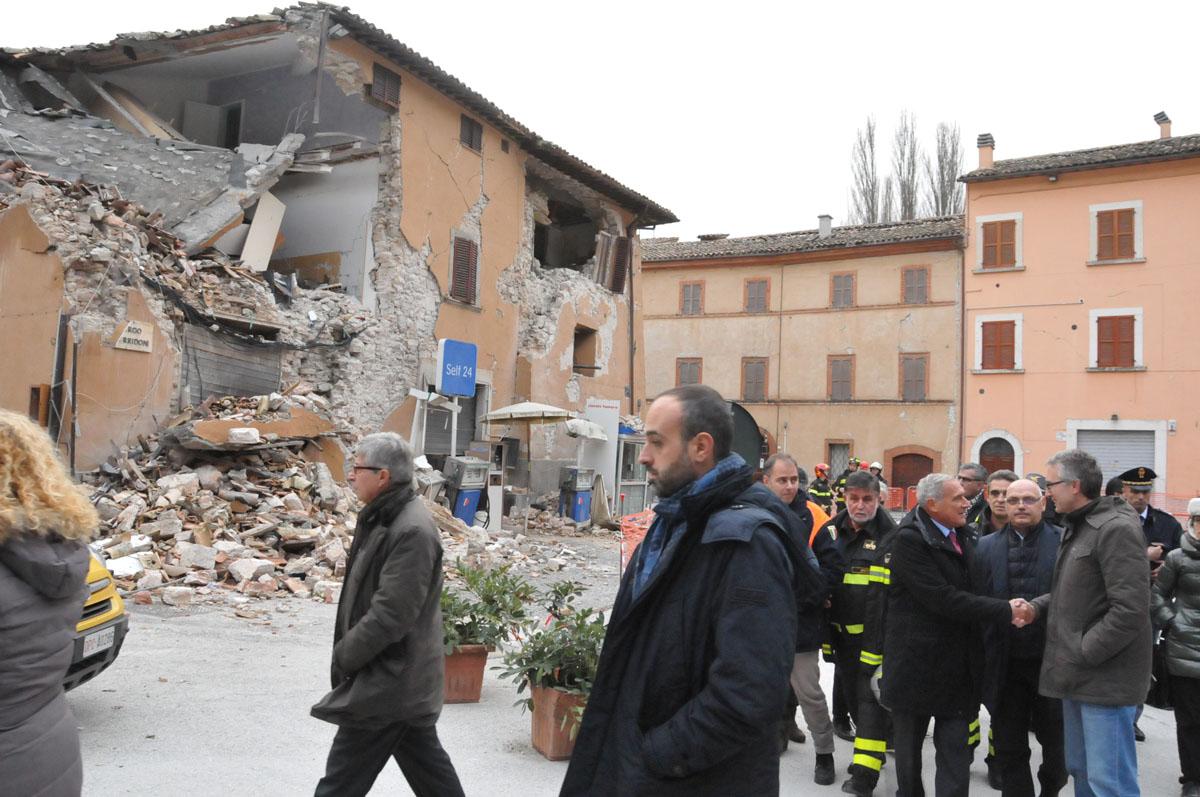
489 608
557 662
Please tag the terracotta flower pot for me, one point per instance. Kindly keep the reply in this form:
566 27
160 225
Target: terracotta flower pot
464 673
550 738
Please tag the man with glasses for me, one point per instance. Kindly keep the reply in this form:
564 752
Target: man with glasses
973 477
1018 562
1097 656
388 661
995 511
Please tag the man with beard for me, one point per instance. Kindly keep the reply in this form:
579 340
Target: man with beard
693 676
1019 563
782 476
388 662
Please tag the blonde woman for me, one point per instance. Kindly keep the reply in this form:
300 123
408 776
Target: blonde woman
45 523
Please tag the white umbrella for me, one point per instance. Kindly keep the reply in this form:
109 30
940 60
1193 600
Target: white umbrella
530 411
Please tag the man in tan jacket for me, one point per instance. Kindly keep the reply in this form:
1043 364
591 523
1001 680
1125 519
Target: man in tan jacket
1097 658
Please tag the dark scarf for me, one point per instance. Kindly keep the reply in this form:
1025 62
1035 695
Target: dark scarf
1076 516
381 511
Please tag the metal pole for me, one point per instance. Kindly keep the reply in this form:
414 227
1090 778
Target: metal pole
454 429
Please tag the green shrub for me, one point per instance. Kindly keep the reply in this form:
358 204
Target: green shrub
489 608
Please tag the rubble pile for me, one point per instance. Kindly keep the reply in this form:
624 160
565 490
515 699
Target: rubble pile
104 240
256 511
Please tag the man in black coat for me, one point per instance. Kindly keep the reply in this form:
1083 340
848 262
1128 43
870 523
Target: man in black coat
1018 562
973 477
693 677
783 476
388 661
1162 531
933 646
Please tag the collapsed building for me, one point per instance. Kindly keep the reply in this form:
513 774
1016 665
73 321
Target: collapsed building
299 199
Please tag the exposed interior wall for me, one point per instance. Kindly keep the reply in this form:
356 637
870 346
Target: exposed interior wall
331 213
31 285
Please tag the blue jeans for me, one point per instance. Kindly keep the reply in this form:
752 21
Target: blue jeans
1100 750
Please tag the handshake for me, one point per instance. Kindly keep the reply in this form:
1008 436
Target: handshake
1023 612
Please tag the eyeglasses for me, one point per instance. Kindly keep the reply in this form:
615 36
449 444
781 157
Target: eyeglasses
968 479
366 467
1027 500
1055 484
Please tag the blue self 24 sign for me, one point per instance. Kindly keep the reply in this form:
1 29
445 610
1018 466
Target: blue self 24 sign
456 367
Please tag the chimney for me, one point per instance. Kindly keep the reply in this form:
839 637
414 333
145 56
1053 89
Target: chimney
987 146
824 225
713 236
1164 124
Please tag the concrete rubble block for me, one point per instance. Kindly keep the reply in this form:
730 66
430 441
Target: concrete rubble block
244 436
210 478
151 579
200 578
292 503
165 527
143 598
186 483
250 569
139 543
327 489
199 557
297 587
125 567
327 591
299 566
177 596
332 552
234 550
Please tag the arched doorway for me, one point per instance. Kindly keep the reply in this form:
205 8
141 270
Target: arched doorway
908 469
996 453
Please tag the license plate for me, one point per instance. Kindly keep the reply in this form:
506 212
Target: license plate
101 640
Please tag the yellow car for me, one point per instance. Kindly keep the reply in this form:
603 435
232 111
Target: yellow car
101 629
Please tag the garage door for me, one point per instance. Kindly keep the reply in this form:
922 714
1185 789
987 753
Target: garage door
1118 450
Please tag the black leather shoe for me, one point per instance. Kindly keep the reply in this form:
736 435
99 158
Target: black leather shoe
825 773
843 729
1138 735
857 788
795 734
993 777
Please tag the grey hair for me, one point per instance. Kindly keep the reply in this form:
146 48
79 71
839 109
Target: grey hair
1075 464
980 472
932 487
1006 475
388 450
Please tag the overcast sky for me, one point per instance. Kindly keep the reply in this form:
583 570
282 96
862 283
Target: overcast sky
740 117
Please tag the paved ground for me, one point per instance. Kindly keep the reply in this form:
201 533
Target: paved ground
201 701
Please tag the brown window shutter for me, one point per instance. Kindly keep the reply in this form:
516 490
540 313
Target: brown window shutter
1106 235
463 273
999 346
620 265
385 86
991 244
1124 233
1008 244
1115 341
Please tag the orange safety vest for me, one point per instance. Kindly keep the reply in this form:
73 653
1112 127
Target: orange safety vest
820 519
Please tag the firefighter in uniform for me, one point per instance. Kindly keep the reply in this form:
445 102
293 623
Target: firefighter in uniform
820 492
839 486
859 530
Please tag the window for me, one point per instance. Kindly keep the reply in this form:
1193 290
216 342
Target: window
504 145
689 371
463 270
915 285
619 266
756 292
998 238
841 377
691 298
470 133
584 359
1114 341
841 289
999 339
1116 232
385 86
914 377
754 379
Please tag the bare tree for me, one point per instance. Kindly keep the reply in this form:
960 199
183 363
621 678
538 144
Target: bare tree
887 200
906 167
943 192
864 197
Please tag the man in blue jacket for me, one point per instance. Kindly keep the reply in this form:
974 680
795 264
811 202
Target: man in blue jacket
693 677
1018 562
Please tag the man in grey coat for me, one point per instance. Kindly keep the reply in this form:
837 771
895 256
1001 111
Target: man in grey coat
387 645
1097 655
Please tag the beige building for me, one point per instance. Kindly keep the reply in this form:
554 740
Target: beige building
387 205
840 341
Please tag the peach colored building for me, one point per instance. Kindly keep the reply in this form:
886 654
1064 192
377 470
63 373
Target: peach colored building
839 341
1080 278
